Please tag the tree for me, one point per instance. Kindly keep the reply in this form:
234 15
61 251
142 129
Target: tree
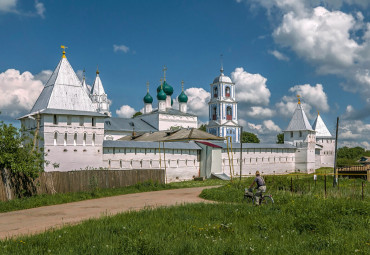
249 138
18 161
280 138
137 114
203 127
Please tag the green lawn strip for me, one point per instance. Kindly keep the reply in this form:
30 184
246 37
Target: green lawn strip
60 198
300 225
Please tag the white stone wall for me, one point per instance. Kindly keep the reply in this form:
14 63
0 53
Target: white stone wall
75 152
267 161
181 164
166 121
327 151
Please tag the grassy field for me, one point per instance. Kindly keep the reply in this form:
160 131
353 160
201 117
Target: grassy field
300 222
60 198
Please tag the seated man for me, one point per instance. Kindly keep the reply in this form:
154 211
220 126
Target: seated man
261 187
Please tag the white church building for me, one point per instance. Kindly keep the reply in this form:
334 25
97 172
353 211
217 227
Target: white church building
77 133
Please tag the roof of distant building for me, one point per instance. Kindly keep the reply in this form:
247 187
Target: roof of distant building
320 128
128 124
150 145
299 121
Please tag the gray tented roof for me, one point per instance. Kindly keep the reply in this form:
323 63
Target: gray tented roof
236 146
63 91
150 145
299 120
128 124
320 128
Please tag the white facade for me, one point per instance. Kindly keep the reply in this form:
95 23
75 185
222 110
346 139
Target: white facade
223 109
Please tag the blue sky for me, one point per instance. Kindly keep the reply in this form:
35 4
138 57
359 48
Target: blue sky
272 50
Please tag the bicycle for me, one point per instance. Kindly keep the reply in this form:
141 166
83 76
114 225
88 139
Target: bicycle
250 198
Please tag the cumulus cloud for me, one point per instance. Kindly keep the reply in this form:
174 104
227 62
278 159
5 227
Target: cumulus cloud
279 55
198 100
121 48
354 133
125 111
40 9
266 131
44 76
252 88
18 92
259 112
271 126
8 5
313 97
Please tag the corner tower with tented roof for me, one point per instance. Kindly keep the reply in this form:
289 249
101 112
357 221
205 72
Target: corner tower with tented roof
98 96
223 109
300 134
70 128
325 144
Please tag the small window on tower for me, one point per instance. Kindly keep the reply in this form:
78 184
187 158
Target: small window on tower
227 91
81 121
93 122
55 119
291 133
69 120
300 133
215 92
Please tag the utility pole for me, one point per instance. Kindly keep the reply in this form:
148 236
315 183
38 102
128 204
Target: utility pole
335 178
241 152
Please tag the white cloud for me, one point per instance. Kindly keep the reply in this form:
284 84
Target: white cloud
198 100
354 133
257 112
125 111
18 92
40 9
121 48
313 97
252 88
271 126
44 76
8 5
279 55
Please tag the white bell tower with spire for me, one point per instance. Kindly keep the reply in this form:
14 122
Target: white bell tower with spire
98 96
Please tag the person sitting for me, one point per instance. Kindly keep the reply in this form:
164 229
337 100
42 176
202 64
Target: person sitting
261 187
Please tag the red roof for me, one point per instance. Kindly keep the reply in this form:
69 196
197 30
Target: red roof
209 144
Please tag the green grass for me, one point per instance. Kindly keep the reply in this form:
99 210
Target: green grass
60 198
300 225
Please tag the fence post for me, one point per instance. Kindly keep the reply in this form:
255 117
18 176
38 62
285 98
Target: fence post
362 190
325 184
291 184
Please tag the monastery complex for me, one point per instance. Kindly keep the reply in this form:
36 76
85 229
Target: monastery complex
78 132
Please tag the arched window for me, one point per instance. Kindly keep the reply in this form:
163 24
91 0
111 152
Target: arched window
93 140
227 91
214 113
84 140
75 139
55 138
229 113
215 92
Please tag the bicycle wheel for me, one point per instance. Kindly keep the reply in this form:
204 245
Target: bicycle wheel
249 199
267 200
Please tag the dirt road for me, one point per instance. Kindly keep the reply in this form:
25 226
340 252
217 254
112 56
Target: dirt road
39 219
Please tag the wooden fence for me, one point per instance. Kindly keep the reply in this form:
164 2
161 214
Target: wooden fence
74 181
355 172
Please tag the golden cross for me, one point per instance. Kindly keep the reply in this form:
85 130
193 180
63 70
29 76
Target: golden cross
64 50
161 83
84 73
299 99
182 85
164 72
147 86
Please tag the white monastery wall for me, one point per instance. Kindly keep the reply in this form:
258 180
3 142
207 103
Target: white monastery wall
327 151
181 164
166 121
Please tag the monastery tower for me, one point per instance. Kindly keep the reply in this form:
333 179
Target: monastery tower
223 109
98 96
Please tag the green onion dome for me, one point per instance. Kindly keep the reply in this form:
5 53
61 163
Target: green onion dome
161 95
183 98
167 88
148 98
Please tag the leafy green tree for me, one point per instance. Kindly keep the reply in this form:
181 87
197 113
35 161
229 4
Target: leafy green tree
174 128
203 127
19 159
137 114
248 137
350 153
280 138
